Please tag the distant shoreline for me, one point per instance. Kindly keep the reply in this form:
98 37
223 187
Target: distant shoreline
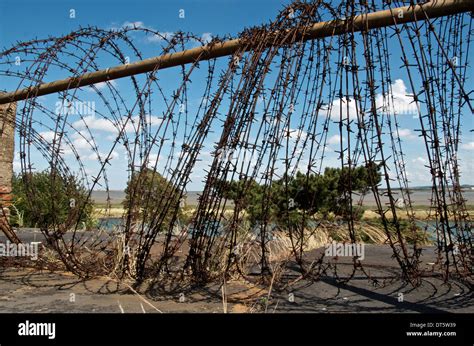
420 198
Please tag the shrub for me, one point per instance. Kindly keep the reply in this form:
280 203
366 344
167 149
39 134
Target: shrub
47 199
150 197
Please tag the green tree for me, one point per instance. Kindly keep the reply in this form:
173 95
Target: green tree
46 199
312 193
149 197
246 194
341 182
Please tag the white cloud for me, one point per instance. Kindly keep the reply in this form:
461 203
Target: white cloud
103 85
155 36
420 160
132 25
336 139
468 146
406 133
297 134
81 143
106 125
16 162
168 35
206 37
48 136
466 165
153 159
127 25
94 156
160 36
396 101
94 123
345 106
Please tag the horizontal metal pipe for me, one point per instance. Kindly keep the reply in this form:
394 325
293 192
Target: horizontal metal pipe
434 9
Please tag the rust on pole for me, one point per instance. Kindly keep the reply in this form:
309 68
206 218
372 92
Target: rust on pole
432 9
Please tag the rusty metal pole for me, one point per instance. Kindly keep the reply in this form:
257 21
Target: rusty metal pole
400 15
7 147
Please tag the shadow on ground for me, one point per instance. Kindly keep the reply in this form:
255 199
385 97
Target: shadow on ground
28 290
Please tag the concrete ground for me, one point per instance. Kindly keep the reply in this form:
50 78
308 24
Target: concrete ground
29 290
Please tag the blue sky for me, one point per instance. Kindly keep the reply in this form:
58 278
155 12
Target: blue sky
25 20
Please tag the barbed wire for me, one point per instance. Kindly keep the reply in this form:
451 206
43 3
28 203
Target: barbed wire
262 115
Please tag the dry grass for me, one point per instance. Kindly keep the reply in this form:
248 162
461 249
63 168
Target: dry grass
419 214
108 212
